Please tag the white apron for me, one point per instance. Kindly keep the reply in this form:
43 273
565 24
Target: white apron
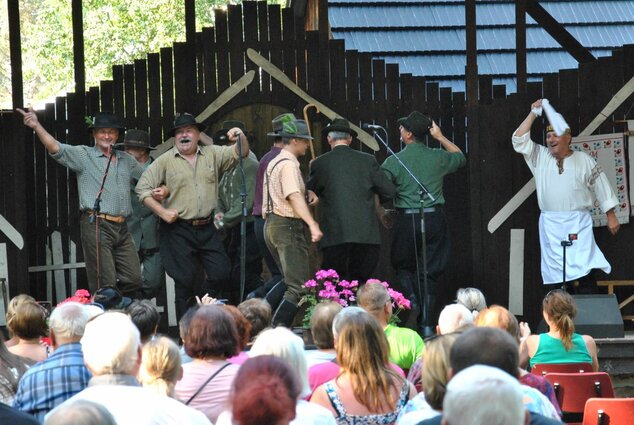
584 254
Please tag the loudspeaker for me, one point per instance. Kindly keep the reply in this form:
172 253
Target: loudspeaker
597 315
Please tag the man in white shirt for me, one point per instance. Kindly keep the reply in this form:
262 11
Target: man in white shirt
567 184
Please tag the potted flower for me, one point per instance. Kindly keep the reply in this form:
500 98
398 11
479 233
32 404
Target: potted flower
327 286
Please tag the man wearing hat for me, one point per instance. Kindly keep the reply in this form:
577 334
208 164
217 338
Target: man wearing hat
276 274
142 223
192 174
430 166
228 213
567 182
347 182
290 227
103 174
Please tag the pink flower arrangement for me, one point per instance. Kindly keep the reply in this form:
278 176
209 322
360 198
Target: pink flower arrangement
81 296
327 286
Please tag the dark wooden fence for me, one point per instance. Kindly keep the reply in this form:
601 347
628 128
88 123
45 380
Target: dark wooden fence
41 196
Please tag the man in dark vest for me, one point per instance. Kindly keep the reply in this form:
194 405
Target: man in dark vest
347 182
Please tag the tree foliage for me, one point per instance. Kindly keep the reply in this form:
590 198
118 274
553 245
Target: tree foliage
115 32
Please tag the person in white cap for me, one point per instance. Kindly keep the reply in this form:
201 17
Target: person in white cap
568 182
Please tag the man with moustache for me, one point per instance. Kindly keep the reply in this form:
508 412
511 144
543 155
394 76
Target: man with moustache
104 173
192 174
567 184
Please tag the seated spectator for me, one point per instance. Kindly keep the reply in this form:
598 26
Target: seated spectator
498 317
560 344
183 329
453 318
112 352
264 393
81 412
244 334
405 344
468 389
160 366
110 298
212 338
473 299
13 305
367 389
321 330
284 344
49 383
258 312
145 317
323 372
12 368
435 376
29 325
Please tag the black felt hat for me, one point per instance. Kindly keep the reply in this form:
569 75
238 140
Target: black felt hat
137 139
185 120
340 125
110 298
220 136
417 123
106 120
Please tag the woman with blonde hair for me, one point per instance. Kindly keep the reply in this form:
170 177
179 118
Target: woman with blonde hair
561 344
28 324
367 390
435 375
160 366
11 308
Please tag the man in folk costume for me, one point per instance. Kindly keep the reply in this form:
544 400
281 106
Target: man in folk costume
567 184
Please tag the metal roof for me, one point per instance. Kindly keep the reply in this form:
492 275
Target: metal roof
427 38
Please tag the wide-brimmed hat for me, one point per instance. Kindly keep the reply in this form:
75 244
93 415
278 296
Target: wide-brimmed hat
137 139
106 120
110 298
278 122
185 120
340 125
417 123
296 129
220 136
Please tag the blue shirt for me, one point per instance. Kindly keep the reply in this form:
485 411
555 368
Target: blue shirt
49 383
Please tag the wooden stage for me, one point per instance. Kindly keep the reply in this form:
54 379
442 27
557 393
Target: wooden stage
616 356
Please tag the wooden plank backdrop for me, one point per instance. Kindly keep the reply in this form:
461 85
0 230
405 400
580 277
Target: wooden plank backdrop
40 197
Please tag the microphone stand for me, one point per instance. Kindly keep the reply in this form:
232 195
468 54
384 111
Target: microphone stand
96 210
427 329
243 220
564 245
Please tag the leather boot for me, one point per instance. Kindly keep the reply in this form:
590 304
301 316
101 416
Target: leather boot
275 295
261 291
285 314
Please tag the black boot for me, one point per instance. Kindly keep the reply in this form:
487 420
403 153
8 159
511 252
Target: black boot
275 295
285 314
264 289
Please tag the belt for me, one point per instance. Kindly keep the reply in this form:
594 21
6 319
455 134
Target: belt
198 221
417 210
119 219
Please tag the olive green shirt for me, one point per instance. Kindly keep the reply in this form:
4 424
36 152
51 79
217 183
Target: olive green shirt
430 166
193 189
229 199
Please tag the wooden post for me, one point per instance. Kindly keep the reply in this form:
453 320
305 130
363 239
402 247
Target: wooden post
520 45
78 49
190 21
472 53
15 49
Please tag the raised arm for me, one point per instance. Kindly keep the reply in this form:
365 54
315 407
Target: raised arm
446 143
235 134
525 126
30 120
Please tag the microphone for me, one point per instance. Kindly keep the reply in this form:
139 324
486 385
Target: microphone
236 133
367 126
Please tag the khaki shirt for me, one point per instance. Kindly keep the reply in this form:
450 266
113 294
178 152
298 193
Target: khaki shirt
282 180
193 189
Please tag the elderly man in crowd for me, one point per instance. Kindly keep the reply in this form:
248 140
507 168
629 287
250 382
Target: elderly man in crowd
321 329
104 176
290 226
191 173
406 346
112 352
347 182
51 382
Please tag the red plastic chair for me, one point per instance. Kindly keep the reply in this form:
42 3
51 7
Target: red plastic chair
574 389
542 369
609 411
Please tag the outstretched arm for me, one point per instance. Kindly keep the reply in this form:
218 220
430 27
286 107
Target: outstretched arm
30 120
525 126
446 143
